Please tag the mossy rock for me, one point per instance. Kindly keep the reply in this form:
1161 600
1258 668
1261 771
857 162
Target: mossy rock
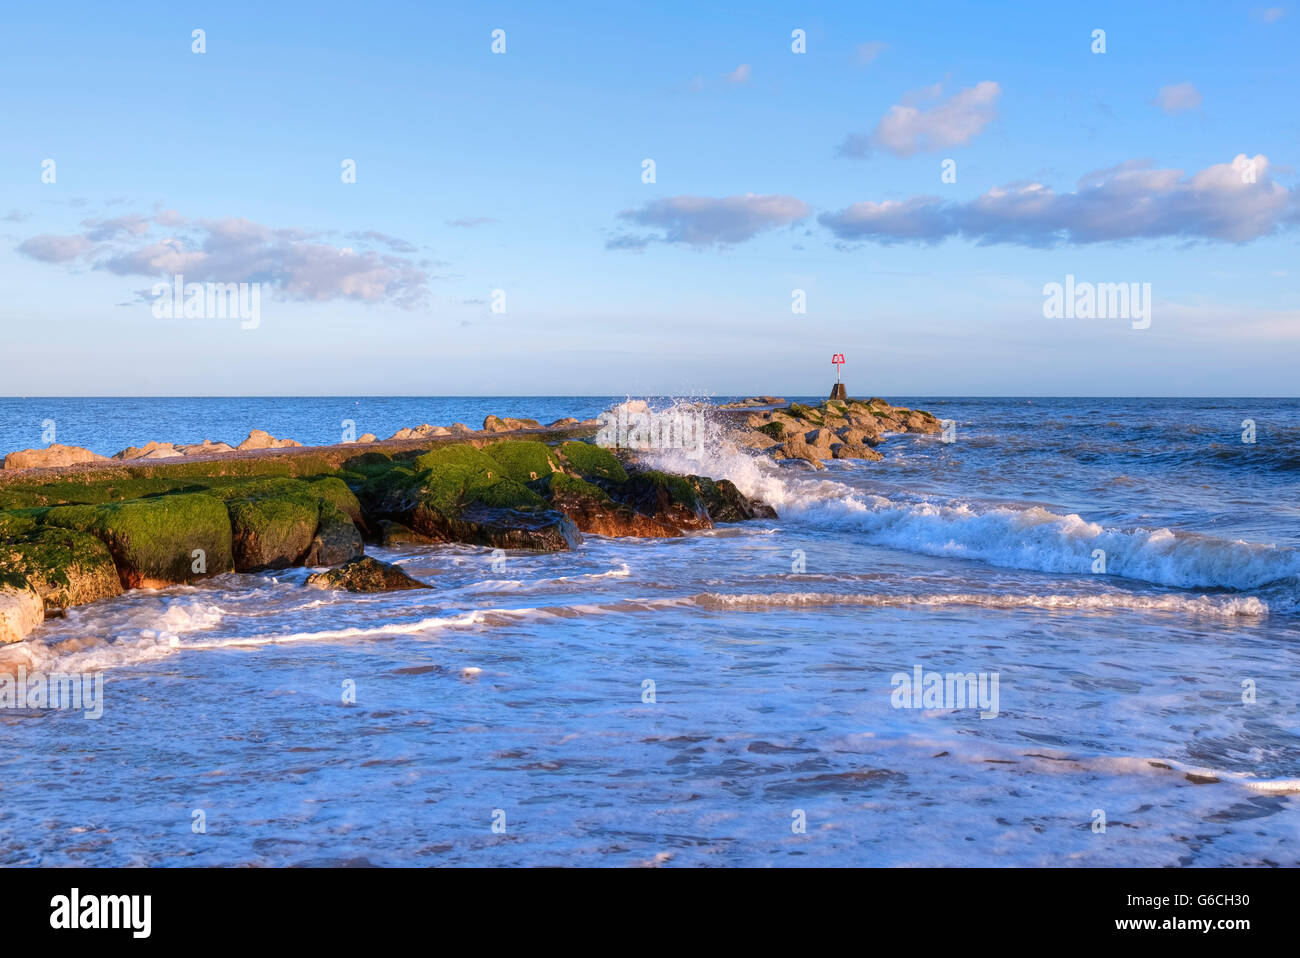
461 494
725 503
19 523
273 532
258 488
392 534
593 462
452 476
523 460
64 566
774 429
391 493
336 540
86 492
806 413
155 542
559 484
335 491
591 509
666 498
455 477
13 580
365 575
369 464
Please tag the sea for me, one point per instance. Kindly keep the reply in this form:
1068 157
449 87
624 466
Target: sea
1119 578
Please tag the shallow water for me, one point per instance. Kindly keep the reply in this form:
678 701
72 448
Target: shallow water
519 693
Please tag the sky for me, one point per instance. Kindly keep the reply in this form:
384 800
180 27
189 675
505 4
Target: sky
915 176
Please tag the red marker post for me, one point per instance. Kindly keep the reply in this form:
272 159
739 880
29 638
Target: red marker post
838 391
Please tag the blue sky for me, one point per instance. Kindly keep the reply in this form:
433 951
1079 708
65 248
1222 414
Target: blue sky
775 171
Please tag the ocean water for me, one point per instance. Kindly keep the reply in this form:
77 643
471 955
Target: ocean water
1160 694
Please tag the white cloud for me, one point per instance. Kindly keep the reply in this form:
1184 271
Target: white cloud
907 128
865 53
708 221
1178 98
55 249
740 74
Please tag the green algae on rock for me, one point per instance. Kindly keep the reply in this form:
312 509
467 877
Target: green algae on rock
64 566
156 542
364 575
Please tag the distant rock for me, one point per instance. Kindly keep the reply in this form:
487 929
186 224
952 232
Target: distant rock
499 424
365 575
366 437
53 455
835 429
425 431
564 423
150 450
753 401
261 439
205 447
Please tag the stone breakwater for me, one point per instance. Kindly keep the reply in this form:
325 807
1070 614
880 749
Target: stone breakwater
834 429
86 530
55 456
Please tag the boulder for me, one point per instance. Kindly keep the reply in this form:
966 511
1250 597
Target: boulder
820 439
726 503
392 534
456 493
52 455
566 422
853 450
261 439
590 461
159 450
65 567
335 491
336 540
364 575
157 542
524 460
21 608
592 510
366 437
206 447
670 500
272 533
799 449
139 452
460 429
499 424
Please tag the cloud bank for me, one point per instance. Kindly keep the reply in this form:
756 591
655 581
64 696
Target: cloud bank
237 250
1232 202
